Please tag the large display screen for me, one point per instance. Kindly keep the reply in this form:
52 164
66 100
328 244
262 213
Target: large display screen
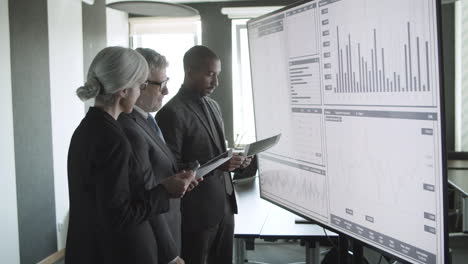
354 88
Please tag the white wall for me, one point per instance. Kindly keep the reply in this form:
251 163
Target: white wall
9 242
117 28
66 75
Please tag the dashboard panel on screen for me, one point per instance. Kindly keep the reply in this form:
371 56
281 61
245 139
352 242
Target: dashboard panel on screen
354 88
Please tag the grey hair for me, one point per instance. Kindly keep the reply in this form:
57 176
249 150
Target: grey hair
155 60
112 70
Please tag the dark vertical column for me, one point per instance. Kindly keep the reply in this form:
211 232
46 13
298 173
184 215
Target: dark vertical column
351 72
419 64
399 85
427 67
367 79
415 82
346 83
32 129
364 79
406 69
448 56
380 81
343 81
94 31
409 56
348 67
385 89
337 83
338 57
374 75
354 83
360 70
375 61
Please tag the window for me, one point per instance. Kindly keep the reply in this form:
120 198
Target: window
461 76
171 37
244 122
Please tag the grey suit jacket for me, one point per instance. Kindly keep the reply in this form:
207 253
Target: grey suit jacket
151 149
189 136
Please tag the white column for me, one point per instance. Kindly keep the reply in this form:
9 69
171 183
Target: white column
66 75
9 243
461 75
117 28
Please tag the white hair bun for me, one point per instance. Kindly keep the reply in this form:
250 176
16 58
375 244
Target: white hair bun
91 89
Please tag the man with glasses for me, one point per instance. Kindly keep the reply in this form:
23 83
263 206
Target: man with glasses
149 145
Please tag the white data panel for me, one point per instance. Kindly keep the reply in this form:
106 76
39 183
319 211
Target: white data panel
387 58
353 86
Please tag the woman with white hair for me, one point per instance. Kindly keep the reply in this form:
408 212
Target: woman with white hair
109 206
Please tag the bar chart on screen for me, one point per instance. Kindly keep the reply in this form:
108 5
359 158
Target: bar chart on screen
375 63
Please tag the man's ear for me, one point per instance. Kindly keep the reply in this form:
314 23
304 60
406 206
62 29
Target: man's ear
190 72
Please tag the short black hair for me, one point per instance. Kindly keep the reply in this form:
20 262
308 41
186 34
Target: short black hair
197 55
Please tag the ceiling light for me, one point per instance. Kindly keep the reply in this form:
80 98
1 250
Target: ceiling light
153 8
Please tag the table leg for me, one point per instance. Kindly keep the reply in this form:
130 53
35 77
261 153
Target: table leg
312 252
239 246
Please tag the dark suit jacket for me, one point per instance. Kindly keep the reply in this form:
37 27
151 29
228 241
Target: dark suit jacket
188 135
109 207
153 152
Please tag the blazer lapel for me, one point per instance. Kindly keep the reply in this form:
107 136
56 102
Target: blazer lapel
143 123
218 122
200 115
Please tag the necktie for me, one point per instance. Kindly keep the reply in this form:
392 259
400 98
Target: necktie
210 118
155 126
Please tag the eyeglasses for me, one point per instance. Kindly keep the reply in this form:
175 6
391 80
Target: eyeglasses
148 82
162 84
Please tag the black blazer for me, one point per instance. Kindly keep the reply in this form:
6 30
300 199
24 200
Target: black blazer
154 153
109 207
188 135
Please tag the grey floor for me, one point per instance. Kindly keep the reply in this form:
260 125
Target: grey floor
282 252
291 252
279 252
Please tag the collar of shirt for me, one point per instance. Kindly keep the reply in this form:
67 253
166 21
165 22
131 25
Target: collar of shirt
190 93
141 111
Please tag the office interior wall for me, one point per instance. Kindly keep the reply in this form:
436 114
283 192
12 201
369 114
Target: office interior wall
117 28
66 75
9 243
32 129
